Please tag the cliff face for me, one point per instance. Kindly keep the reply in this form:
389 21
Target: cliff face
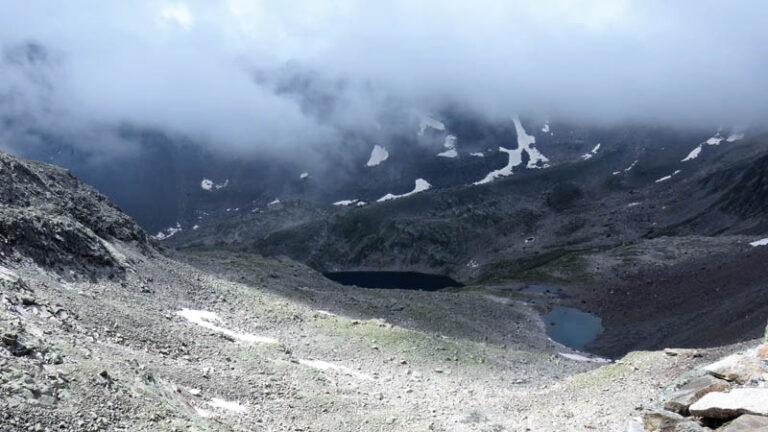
51 218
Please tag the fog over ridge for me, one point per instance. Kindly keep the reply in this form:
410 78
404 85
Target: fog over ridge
253 75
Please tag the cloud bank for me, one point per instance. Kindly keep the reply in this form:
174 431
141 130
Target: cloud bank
258 75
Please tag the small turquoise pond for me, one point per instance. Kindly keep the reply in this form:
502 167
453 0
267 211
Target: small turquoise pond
572 327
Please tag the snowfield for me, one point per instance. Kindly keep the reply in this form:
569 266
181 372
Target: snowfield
420 186
525 143
378 155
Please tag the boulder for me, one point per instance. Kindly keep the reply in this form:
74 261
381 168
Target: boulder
693 391
666 421
762 351
747 423
738 367
729 405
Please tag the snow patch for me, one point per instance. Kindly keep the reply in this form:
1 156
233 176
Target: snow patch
228 406
761 242
304 175
378 155
427 122
346 202
168 232
420 186
196 227
713 141
589 155
582 358
545 128
449 153
477 154
326 313
209 185
211 321
665 178
627 169
693 154
450 145
525 143
326 366
633 204
735 137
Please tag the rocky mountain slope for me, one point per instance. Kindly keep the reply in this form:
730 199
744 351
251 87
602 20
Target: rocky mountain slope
108 332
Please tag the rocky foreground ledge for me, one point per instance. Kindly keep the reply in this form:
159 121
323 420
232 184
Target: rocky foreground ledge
730 395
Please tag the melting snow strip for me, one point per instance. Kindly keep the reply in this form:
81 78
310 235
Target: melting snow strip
761 242
221 404
665 178
420 186
228 405
325 366
210 320
589 155
345 202
581 358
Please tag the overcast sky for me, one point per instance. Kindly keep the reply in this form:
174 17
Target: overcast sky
189 67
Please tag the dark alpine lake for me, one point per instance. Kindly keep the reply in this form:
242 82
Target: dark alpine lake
393 280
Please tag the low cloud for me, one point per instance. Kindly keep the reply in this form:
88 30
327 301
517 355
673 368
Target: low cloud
252 75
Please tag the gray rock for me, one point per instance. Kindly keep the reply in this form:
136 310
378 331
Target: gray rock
693 391
747 423
729 405
666 421
739 368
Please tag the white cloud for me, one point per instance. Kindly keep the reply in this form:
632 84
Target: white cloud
188 67
178 14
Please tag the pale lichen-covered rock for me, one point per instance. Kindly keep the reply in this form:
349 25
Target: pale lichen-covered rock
732 404
747 423
693 391
740 368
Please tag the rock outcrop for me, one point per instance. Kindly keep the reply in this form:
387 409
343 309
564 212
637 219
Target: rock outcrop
731 396
61 224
